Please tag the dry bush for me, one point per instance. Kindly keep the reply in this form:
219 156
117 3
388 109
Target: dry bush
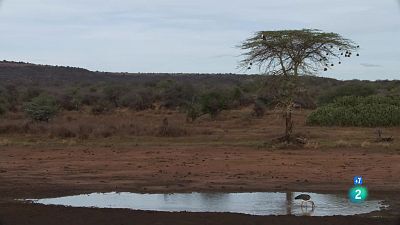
312 145
84 131
83 125
365 144
342 144
21 127
62 132
171 130
105 131
10 128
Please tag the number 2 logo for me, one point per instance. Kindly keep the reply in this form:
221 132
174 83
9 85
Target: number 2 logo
358 194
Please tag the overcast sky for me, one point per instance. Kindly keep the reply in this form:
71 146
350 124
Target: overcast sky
190 35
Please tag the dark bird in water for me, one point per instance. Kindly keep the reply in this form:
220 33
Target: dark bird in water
325 69
358 54
305 198
251 64
249 68
340 62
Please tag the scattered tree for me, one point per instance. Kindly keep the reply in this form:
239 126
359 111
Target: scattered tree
138 101
113 93
291 53
213 103
193 110
71 100
41 108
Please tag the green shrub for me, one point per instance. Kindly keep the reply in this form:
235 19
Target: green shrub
369 111
193 111
30 93
113 93
3 104
101 107
238 98
176 95
2 109
71 100
12 97
361 90
41 108
213 103
259 108
138 101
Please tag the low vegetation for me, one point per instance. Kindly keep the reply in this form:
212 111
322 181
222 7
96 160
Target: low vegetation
361 90
39 96
41 108
372 111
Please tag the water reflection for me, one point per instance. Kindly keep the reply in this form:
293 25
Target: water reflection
259 203
307 211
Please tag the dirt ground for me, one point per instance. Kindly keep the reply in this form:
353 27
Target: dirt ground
234 159
35 172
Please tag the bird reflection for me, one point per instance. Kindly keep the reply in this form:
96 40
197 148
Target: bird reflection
307 211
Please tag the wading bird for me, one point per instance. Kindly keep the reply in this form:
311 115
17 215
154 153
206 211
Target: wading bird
305 199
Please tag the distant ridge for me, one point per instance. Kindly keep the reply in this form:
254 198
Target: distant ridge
14 71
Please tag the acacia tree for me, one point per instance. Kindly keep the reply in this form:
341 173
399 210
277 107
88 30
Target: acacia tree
290 53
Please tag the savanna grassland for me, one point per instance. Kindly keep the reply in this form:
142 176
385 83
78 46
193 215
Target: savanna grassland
70 131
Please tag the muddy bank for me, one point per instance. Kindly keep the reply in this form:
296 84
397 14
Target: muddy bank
37 172
12 214
52 172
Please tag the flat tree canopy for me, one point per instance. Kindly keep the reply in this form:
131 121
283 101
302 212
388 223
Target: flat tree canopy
294 52
290 53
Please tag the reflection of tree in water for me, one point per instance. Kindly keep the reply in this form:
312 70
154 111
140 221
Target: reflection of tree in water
213 199
209 200
289 203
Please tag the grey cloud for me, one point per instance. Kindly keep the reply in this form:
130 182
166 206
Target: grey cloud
221 56
370 65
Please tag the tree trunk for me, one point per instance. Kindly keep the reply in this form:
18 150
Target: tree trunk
289 203
289 124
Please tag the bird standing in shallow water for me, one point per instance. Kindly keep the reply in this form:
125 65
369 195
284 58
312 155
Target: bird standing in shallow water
305 199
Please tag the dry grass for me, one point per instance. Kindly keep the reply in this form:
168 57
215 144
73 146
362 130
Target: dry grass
84 126
231 128
343 144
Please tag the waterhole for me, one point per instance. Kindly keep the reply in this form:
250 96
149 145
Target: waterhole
256 203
